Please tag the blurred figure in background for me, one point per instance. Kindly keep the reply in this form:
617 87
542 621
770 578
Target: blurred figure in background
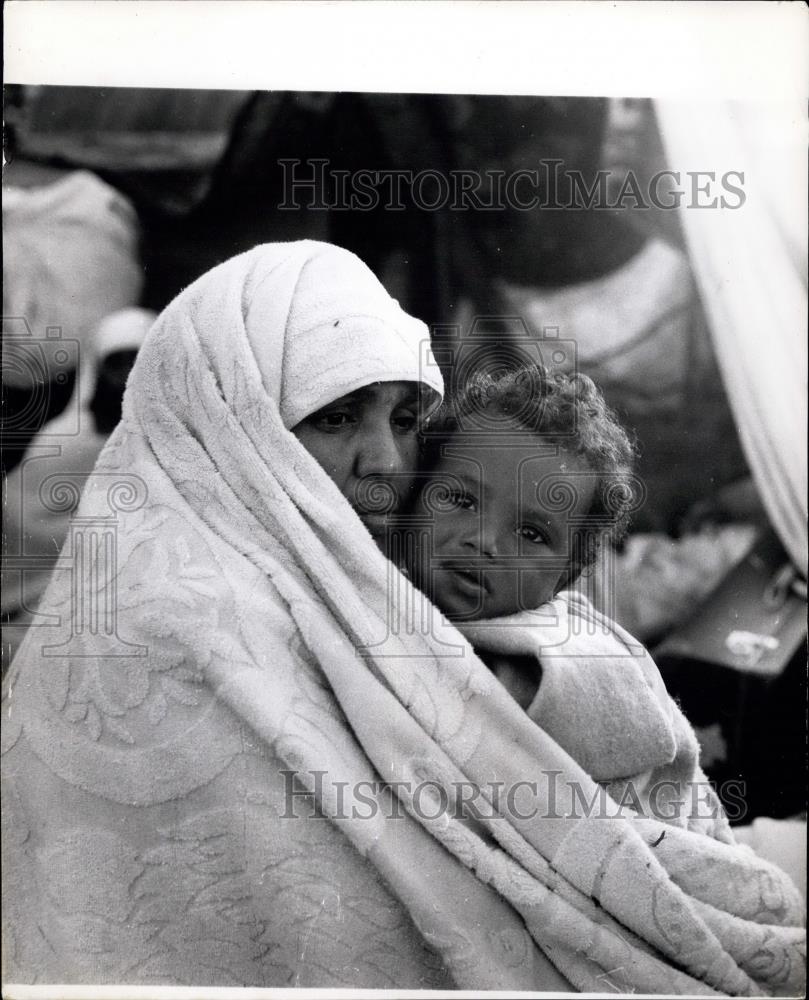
71 258
36 521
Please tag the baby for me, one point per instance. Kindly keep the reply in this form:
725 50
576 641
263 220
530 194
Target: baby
528 474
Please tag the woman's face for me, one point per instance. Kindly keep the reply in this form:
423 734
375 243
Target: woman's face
367 442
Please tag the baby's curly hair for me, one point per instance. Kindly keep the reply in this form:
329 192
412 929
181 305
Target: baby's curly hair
568 410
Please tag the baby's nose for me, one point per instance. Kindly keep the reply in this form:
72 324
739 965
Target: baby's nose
484 543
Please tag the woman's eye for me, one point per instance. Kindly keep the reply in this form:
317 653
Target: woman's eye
405 421
334 420
533 535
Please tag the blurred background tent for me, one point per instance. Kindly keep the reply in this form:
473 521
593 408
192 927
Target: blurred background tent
691 321
751 268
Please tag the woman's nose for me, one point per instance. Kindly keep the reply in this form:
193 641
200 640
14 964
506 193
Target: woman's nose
379 454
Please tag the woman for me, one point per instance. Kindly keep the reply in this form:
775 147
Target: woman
161 745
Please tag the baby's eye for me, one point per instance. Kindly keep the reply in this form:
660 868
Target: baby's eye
532 534
461 499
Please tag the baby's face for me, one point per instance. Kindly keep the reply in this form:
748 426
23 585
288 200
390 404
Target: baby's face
501 517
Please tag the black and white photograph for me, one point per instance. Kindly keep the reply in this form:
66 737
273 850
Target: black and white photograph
404 553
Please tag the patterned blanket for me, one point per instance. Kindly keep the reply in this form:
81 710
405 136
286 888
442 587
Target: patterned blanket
230 759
